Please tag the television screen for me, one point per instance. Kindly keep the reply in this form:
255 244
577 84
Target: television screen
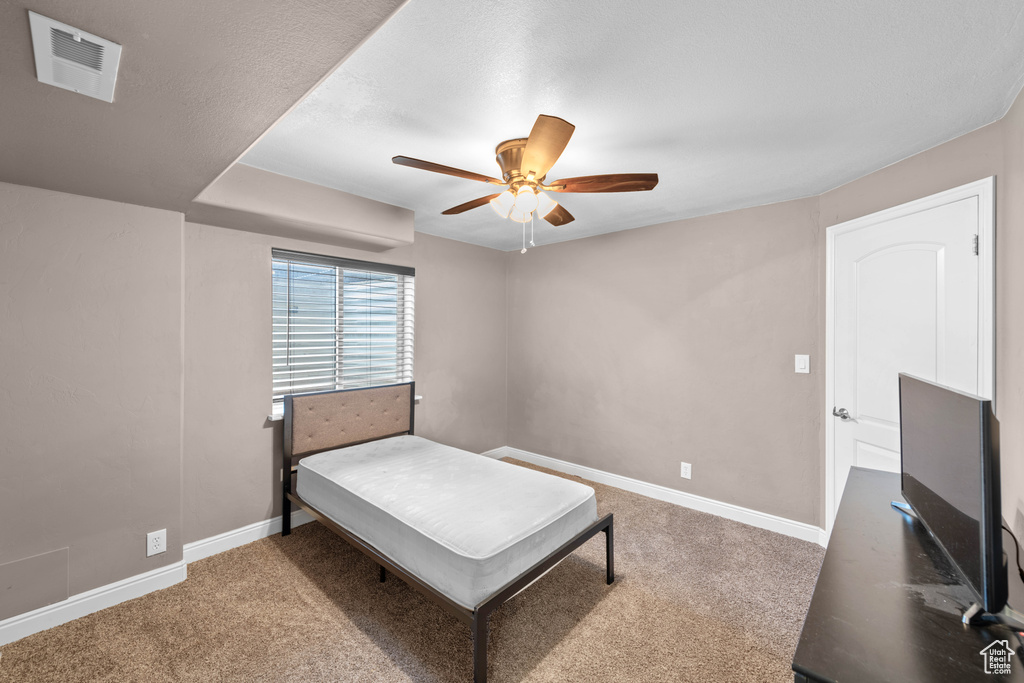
951 479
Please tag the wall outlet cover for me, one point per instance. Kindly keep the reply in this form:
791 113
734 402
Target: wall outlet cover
684 470
156 542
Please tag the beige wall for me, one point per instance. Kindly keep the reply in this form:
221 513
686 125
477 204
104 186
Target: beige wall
995 150
232 452
254 200
90 392
627 352
1010 317
135 381
632 351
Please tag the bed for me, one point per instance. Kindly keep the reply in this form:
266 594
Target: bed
467 531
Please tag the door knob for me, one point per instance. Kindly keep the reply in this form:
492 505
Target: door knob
841 413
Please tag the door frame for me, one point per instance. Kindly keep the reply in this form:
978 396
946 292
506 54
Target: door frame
984 190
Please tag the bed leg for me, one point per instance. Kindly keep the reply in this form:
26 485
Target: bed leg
479 629
286 506
383 573
610 550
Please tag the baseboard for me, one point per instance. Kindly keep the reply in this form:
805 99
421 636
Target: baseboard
241 536
763 520
82 604
23 625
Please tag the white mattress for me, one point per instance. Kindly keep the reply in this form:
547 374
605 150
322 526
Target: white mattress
464 523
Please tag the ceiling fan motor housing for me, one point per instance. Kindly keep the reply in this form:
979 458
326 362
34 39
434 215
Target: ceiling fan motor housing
509 155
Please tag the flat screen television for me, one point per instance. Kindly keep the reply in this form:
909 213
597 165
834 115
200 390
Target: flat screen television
950 477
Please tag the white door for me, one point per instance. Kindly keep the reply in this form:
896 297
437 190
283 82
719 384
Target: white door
908 293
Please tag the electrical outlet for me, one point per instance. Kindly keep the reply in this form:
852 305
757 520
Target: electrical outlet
156 542
684 470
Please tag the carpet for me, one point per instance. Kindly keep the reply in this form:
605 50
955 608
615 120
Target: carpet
696 598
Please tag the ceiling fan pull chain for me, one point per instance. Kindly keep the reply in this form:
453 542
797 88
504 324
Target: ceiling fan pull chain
524 239
532 215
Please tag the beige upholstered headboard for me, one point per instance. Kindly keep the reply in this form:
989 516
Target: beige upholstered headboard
333 419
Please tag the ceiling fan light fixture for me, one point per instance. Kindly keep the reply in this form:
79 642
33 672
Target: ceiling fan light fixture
503 203
526 200
545 204
518 215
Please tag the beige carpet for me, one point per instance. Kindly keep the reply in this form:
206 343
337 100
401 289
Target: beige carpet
696 598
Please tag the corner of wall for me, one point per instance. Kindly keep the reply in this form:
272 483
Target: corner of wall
181 383
1009 403
505 436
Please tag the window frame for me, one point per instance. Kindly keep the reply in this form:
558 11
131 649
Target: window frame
404 322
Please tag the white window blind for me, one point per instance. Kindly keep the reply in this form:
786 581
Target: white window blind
339 323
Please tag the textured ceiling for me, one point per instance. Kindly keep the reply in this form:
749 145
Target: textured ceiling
199 82
733 103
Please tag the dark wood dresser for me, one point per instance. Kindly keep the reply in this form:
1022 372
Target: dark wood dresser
887 604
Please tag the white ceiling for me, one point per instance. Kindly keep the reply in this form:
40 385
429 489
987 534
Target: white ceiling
733 103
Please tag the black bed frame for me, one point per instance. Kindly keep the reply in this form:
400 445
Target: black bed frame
475 618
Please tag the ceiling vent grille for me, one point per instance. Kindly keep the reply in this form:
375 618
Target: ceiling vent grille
74 60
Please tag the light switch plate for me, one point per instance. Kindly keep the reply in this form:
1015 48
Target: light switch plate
803 363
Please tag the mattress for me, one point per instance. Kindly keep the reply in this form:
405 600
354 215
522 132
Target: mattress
464 523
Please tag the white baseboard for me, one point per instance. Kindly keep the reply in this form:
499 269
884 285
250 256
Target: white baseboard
112 594
763 520
91 601
236 537
16 628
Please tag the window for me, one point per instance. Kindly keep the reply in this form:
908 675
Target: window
339 323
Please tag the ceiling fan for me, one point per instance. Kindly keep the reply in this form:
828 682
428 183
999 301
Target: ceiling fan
525 163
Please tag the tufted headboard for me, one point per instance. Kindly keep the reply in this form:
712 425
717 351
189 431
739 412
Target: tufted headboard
333 419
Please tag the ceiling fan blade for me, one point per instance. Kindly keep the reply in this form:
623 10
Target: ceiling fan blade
615 182
547 140
469 205
447 170
559 216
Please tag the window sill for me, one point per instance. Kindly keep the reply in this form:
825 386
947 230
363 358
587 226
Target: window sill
277 412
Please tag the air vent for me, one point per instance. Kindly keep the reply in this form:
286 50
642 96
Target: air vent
74 60
76 49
